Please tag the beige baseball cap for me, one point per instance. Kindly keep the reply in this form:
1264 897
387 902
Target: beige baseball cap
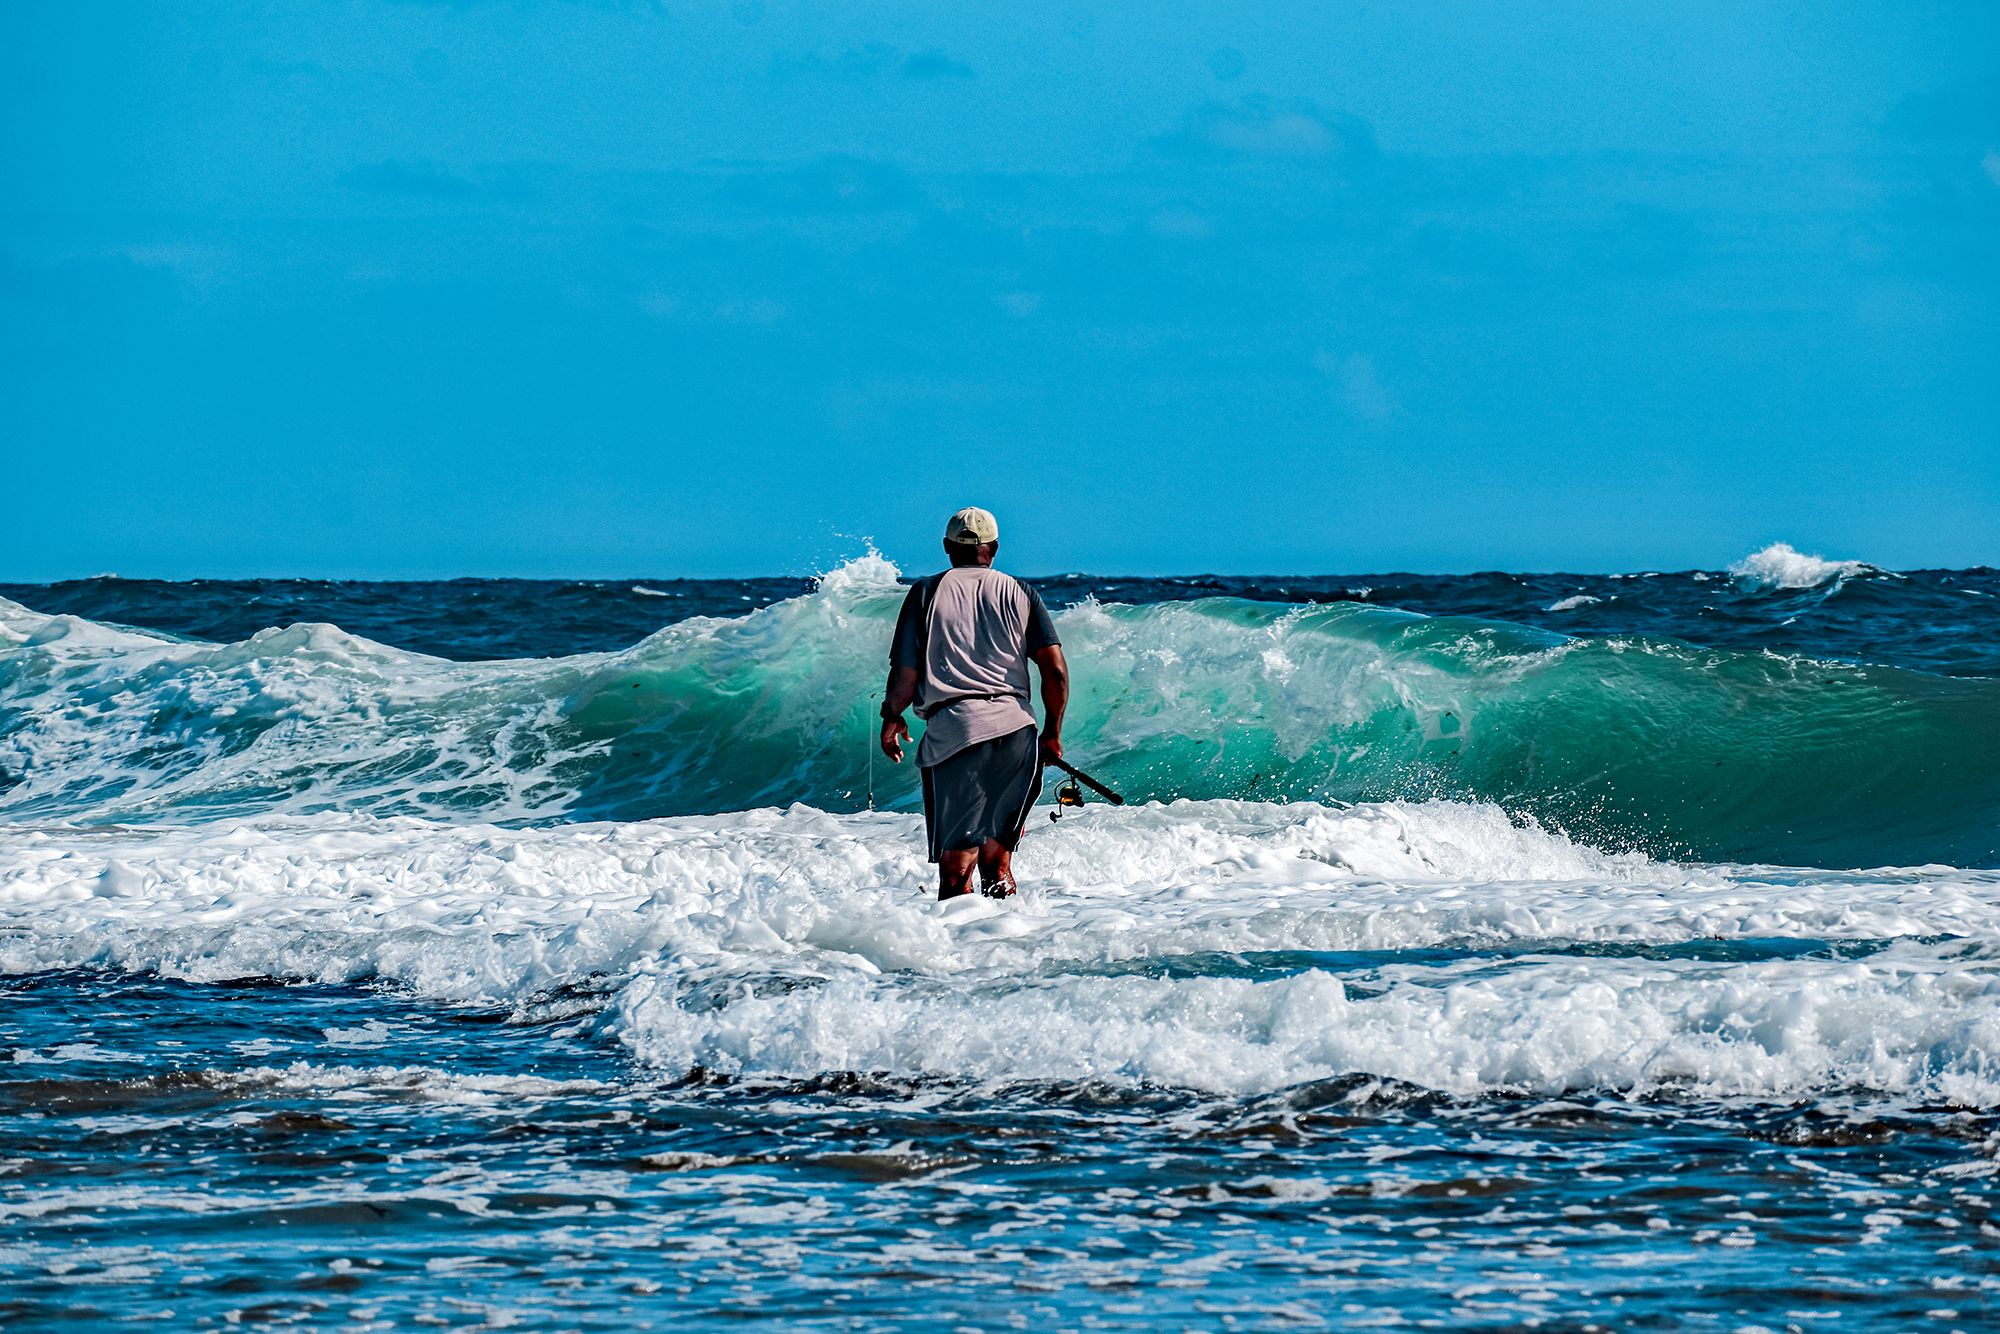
971 526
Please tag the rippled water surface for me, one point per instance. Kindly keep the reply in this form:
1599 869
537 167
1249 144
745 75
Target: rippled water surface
338 1155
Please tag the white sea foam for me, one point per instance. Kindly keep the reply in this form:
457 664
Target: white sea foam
1922 1024
22 627
872 572
471 911
1779 566
1572 603
798 942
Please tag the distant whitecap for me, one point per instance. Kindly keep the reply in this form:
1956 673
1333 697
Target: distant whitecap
1781 566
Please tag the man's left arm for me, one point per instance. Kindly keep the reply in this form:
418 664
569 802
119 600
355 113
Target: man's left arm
1046 650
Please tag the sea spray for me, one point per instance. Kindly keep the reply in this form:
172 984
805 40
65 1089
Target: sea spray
1779 566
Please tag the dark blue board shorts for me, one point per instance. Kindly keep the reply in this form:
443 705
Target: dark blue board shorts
983 792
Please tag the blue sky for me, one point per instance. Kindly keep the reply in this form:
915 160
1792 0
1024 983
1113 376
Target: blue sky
377 288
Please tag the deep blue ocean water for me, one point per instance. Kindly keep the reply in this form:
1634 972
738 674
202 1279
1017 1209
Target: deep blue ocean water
1479 952
1942 621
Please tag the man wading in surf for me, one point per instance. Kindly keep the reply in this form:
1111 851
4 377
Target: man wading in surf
961 654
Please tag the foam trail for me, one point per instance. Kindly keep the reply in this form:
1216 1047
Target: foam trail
1225 947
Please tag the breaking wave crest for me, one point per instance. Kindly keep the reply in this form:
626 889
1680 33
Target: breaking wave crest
1779 566
1623 742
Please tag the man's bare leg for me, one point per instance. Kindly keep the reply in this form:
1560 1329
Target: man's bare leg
996 870
955 867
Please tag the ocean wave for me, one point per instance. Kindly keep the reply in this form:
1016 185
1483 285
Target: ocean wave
1918 1028
1225 947
1779 566
1621 741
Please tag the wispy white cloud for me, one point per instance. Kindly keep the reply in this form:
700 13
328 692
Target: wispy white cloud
761 312
834 184
424 179
1226 63
934 65
873 60
1262 128
1180 224
1359 384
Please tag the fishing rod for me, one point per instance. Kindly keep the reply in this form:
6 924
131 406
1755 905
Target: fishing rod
1070 795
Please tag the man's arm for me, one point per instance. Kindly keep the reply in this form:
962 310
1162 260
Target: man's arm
1055 697
899 695
906 659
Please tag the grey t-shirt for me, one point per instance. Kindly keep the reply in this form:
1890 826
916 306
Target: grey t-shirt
969 632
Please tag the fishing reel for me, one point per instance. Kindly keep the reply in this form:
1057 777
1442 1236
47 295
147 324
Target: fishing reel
1071 791
1069 794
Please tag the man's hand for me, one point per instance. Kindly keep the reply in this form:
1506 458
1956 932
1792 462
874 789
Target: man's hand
1051 748
900 694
